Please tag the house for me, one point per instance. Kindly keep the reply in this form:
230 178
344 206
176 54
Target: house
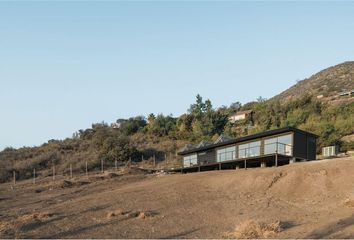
116 125
240 115
346 93
270 148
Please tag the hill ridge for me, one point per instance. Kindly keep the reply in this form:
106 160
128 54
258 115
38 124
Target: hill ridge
328 82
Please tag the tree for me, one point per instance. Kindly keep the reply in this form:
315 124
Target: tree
116 148
236 106
260 99
133 125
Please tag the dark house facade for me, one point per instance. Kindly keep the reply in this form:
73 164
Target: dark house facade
270 148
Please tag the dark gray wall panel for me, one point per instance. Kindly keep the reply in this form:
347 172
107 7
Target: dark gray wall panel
300 145
207 157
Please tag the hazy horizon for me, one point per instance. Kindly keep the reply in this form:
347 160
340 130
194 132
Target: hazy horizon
66 65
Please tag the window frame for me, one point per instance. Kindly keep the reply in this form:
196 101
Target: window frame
247 150
225 153
278 144
189 158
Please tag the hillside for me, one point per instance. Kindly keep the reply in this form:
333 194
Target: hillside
301 200
328 82
157 138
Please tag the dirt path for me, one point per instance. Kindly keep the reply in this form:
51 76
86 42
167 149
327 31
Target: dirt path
312 200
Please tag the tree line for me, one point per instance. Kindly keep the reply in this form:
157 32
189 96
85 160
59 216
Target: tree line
142 137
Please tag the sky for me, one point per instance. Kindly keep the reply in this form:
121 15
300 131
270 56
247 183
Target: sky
65 65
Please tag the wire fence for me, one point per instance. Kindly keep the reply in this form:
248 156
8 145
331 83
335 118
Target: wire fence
67 171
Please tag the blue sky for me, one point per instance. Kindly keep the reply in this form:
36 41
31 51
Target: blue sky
65 65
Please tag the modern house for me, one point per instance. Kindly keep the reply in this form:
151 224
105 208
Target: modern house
240 115
270 148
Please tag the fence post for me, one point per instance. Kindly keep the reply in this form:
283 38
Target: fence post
34 176
14 173
154 161
53 172
116 165
71 171
102 165
86 170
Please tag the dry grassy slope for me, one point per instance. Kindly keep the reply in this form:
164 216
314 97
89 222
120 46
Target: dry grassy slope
328 82
313 200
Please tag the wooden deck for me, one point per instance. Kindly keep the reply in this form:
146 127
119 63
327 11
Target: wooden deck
258 161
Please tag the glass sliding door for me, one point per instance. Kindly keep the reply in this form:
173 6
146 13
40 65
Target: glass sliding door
285 144
255 149
270 145
251 149
226 154
281 144
191 160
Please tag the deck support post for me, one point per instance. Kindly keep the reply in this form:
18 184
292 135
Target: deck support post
245 163
276 159
263 164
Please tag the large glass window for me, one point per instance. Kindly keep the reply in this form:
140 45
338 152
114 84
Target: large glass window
285 144
226 154
190 160
281 145
251 149
270 145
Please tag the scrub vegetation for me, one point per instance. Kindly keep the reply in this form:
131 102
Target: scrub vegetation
160 135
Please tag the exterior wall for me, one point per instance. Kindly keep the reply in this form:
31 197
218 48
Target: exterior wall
311 146
207 157
304 146
300 145
237 117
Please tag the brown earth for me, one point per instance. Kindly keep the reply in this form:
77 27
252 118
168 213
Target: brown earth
301 200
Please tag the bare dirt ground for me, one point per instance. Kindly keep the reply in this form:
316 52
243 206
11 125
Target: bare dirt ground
308 200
